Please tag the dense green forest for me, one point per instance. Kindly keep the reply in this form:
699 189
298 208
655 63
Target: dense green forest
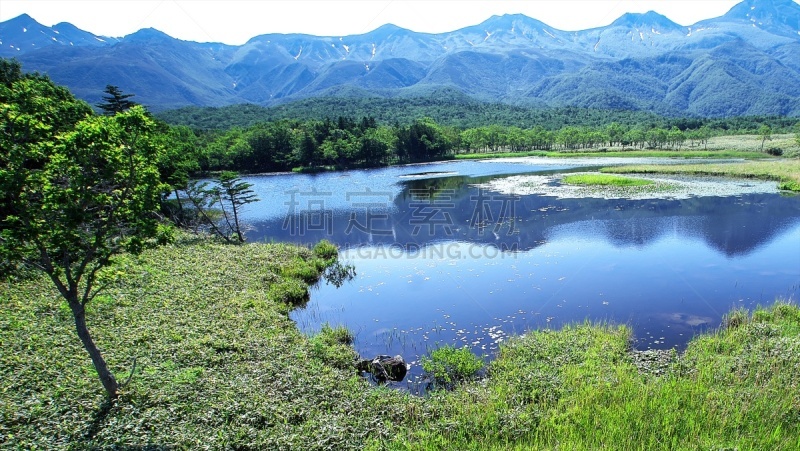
368 132
444 106
453 109
346 142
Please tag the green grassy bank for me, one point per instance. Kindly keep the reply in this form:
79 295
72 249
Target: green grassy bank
219 365
733 146
603 180
579 388
619 153
785 171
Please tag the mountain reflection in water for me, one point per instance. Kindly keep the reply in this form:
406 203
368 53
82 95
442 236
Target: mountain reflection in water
440 261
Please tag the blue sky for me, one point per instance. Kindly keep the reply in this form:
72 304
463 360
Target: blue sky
235 21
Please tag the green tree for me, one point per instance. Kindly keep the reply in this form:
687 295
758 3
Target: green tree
340 148
676 137
540 138
179 159
376 145
495 136
10 71
569 137
704 134
231 194
657 137
635 137
470 140
75 193
423 140
765 133
797 134
615 133
222 149
115 102
309 153
596 137
515 138
272 146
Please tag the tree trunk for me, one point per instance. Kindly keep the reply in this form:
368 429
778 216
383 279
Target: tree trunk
236 220
106 377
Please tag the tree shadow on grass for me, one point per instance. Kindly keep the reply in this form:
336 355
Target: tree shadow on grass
98 419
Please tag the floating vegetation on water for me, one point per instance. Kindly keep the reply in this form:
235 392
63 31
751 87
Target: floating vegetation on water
579 185
604 180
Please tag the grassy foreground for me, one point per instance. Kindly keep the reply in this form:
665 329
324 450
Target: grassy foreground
785 171
220 365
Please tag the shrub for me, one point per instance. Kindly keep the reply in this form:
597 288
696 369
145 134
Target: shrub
326 250
449 365
291 291
735 319
303 271
338 334
332 346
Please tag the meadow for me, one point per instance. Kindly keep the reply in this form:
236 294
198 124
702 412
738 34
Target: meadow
219 365
784 171
725 146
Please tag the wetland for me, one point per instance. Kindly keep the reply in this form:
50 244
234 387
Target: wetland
470 253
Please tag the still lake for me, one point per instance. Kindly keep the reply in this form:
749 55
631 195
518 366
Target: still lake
466 253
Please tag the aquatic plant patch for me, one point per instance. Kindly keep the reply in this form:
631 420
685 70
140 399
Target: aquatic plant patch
604 180
785 171
576 186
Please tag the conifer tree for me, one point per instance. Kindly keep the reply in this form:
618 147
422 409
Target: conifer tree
115 102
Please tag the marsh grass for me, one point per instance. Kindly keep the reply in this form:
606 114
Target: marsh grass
784 171
449 365
623 153
785 142
605 185
603 180
333 346
577 388
733 146
221 366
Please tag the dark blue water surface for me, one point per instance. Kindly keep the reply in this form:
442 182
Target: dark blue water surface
440 261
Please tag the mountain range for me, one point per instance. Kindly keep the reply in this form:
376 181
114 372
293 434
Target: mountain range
746 62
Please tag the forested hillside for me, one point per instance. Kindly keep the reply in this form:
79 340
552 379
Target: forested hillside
450 108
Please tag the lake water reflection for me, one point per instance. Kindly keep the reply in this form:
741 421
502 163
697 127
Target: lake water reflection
441 261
